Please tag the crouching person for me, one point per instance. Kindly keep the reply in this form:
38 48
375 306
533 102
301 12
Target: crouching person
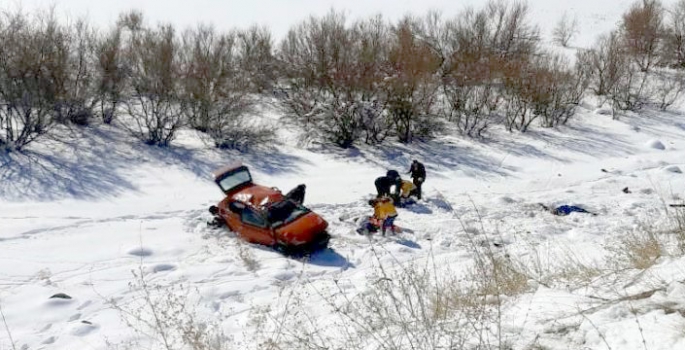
408 191
385 213
217 220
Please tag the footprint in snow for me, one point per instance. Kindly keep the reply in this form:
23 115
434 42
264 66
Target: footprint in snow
163 267
84 328
673 169
140 251
84 305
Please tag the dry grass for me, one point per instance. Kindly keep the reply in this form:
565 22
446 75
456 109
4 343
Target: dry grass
639 249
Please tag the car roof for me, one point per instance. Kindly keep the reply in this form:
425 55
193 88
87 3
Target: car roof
258 195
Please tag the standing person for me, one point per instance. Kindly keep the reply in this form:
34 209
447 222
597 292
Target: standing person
418 174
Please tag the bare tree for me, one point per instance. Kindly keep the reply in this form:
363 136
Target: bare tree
558 89
156 112
412 83
27 92
668 87
110 79
565 30
330 76
370 50
674 40
642 30
609 62
484 47
73 75
216 89
255 49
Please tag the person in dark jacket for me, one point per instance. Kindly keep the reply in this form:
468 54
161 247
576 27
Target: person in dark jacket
384 183
297 194
418 175
217 220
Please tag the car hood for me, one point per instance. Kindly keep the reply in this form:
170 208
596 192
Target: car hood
302 230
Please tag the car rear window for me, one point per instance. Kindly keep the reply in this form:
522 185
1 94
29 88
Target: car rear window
235 179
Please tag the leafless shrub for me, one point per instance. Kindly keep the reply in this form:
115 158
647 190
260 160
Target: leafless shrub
371 50
73 73
667 87
629 93
216 89
615 76
28 95
110 76
519 92
565 30
674 40
642 30
155 108
559 89
255 50
469 78
334 94
609 62
483 48
411 86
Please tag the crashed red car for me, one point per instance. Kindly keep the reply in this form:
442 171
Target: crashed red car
264 215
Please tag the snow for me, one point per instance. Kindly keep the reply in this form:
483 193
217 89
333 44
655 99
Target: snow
89 236
656 144
88 217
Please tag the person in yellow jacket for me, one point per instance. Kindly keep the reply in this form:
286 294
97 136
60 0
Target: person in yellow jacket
407 189
384 213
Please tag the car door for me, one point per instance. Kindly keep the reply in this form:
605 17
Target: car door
254 227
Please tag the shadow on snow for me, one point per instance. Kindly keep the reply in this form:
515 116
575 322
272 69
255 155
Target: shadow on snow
97 163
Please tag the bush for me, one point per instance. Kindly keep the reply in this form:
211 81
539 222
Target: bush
154 105
216 90
674 36
29 49
411 85
565 30
335 95
609 62
110 79
483 48
642 30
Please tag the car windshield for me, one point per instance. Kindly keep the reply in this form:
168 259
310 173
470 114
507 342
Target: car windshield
235 178
283 212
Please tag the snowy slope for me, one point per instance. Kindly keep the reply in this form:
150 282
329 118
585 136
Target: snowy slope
79 220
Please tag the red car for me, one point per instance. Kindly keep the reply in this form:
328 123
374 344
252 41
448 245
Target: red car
263 215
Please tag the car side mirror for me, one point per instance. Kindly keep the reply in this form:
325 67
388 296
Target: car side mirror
236 207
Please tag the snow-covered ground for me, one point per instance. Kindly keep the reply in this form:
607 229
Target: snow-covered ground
80 217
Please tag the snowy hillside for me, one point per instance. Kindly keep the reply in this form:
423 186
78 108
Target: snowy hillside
79 222
104 242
